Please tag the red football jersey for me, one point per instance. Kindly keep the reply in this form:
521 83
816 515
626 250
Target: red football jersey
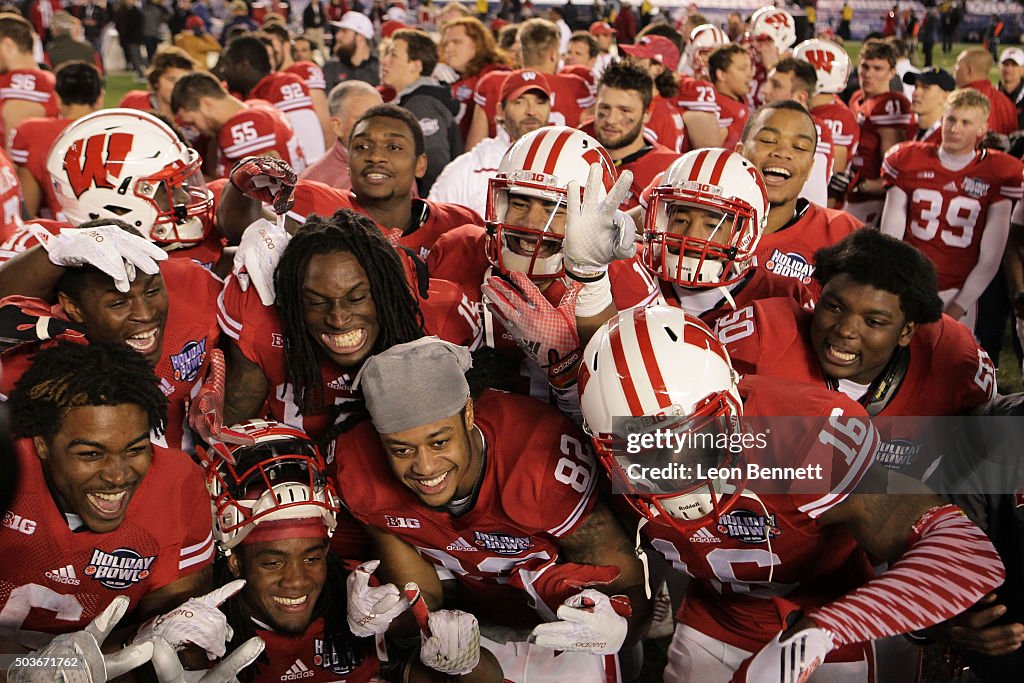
63 579
311 74
644 166
789 251
308 657
462 92
190 332
29 147
285 90
888 110
570 95
773 546
666 124
137 99
258 129
10 198
30 85
946 210
757 284
537 487
734 115
697 95
842 123
435 218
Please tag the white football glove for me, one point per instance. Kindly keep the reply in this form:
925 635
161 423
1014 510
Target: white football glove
257 256
371 610
84 647
169 670
787 661
451 644
107 247
596 232
196 622
587 623
445 73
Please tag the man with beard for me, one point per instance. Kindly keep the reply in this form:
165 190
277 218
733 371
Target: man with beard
525 107
623 97
353 50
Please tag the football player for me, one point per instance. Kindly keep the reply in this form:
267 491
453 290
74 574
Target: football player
832 66
876 334
274 512
168 65
241 129
953 202
659 56
703 224
704 40
885 119
26 91
282 49
80 89
246 68
100 512
771 36
776 590
498 493
730 69
780 140
166 310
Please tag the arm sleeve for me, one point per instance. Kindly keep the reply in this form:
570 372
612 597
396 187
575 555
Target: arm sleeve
894 213
990 254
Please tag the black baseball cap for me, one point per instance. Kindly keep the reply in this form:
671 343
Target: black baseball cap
931 76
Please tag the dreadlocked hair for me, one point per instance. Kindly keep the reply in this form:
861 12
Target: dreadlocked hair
73 375
399 317
341 647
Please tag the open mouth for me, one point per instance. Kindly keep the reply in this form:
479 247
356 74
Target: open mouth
774 175
837 356
348 342
108 505
432 486
144 342
527 246
291 604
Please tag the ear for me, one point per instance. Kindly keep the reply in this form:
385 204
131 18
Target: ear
469 421
42 449
421 166
739 147
233 567
71 308
907 333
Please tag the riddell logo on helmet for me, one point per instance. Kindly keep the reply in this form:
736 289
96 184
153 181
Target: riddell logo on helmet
821 59
93 162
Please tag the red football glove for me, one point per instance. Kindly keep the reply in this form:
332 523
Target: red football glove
206 414
557 582
27 319
267 179
545 333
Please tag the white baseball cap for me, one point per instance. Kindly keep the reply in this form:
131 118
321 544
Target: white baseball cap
1012 54
360 23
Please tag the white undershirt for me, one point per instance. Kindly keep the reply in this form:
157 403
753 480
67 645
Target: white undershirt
852 389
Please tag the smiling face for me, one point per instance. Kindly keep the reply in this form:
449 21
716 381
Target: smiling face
856 329
136 317
96 461
437 461
338 308
781 146
284 579
382 160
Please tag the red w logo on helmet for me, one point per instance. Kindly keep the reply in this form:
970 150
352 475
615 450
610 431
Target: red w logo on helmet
779 19
93 162
821 59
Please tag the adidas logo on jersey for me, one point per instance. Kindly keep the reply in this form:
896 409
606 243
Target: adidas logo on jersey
951 187
65 575
704 536
460 545
297 671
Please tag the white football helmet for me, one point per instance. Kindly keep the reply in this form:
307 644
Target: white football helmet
777 25
830 61
281 477
704 40
540 164
128 164
714 246
659 368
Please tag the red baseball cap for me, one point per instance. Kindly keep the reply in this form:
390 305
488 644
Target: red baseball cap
522 81
388 28
657 48
601 28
